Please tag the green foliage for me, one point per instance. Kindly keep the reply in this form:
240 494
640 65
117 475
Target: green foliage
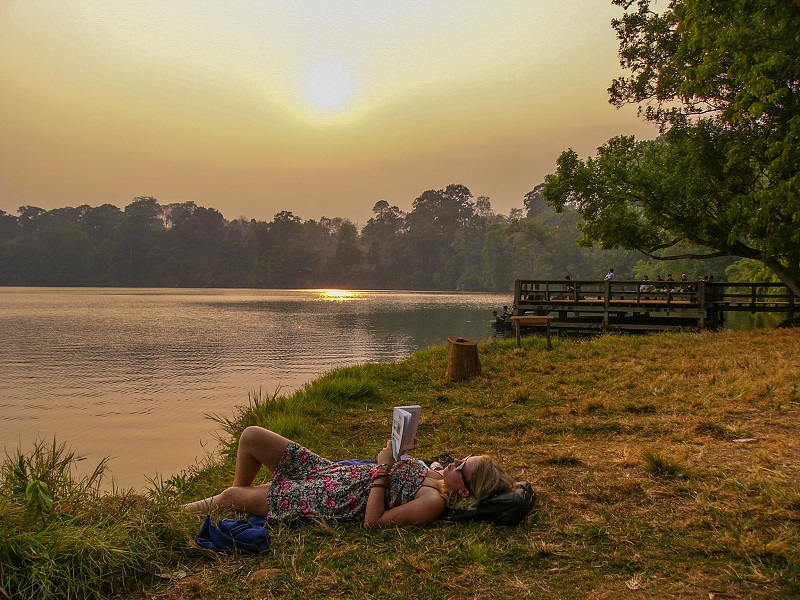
694 269
723 180
36 479
39 496
446 242
63 538
752 271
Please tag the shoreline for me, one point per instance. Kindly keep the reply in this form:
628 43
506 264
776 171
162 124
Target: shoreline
665 462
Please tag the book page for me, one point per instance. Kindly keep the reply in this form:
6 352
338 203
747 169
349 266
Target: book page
405 420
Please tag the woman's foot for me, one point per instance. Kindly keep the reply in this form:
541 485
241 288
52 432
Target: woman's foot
199 507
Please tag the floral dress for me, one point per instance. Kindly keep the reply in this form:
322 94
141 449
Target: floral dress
307 486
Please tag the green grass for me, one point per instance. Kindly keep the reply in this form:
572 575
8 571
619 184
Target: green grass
660 466
634 445
567 460
63 538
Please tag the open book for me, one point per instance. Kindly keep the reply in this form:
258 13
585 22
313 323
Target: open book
405 420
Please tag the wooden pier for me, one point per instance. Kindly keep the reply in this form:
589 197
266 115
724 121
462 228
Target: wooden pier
647 306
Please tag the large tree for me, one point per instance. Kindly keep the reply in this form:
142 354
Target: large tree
430 233
722 80
381 237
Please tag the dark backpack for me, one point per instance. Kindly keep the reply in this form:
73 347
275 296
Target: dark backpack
506 508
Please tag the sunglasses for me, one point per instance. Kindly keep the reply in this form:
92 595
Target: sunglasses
460 468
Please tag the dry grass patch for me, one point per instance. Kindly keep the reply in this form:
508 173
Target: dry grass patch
666 466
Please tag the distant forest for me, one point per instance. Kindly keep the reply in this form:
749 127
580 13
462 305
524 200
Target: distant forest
448 241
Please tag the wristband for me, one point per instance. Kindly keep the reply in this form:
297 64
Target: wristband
380 471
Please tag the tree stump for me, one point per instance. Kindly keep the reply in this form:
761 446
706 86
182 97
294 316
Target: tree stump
462 358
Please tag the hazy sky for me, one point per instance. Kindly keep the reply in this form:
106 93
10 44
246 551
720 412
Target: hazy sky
320 107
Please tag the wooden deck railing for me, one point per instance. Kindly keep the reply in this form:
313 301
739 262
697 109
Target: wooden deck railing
724 296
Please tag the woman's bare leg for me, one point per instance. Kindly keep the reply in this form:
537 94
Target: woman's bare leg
252 499
257 446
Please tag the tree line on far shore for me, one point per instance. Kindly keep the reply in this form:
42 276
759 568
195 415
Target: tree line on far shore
448 241
717 193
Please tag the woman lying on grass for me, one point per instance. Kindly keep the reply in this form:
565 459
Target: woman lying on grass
305 485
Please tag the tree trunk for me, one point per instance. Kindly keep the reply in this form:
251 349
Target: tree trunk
787 276
462 358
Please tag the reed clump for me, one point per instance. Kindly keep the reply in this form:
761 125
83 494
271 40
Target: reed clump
666 466
64 538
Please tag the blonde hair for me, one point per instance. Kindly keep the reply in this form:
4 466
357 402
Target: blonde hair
487 479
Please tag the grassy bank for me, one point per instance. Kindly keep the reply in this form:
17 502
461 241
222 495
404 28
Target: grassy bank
666 466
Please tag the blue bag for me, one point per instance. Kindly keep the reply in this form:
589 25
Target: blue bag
244 537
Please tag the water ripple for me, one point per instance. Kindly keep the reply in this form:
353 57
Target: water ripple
132 373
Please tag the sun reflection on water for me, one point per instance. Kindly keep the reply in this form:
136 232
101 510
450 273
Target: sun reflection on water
339 295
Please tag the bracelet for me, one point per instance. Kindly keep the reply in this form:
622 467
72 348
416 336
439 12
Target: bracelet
379 472
377 485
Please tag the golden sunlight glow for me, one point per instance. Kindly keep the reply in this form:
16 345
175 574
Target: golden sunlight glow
329 84
316 107
339 295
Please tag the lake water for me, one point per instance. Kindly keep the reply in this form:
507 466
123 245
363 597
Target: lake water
131 374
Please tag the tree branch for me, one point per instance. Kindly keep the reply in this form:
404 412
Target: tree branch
669 244
649 254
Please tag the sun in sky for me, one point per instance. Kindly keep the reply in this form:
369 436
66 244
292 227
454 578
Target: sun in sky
317 107
329 84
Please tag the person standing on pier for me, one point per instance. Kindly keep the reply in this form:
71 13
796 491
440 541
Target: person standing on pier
646 286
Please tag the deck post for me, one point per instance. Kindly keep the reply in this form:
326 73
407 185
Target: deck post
517 296
701 304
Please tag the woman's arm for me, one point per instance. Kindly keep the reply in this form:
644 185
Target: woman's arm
419 511
375 501
424 509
